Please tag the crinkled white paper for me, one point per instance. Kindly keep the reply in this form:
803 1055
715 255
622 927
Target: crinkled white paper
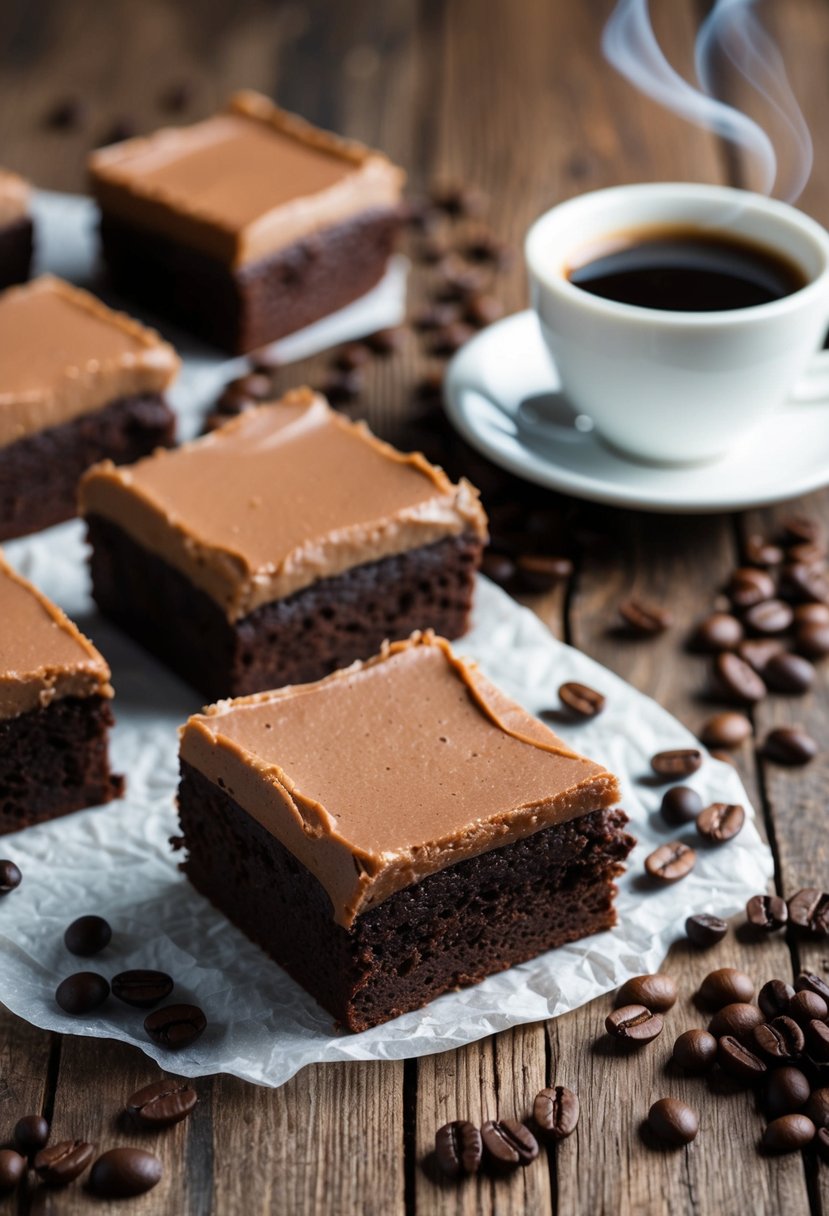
116 861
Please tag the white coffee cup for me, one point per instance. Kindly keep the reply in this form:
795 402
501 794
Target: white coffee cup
679 387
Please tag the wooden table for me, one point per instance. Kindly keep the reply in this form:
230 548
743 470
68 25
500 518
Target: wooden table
513 96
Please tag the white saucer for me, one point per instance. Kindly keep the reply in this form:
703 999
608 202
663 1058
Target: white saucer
508 368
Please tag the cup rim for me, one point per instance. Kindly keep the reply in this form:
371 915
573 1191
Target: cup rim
598 305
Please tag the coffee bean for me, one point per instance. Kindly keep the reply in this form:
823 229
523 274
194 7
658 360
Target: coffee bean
556 1111
695 1051
738 1019
539 573
509 1143
352 357
817 1037
758 652
780 1039
812 639
817 1107
720 822
767 912
581 700
717 632
657 992
773 998
740 1061
10 876
87 935
643 618
671 862
811 614
797 528
62 1163
12 1168
822 1143
789 673
459 200
486 247
82 992
142 989
737 680
769 617
121 1173
30 1134
726 985
498 567
807 554
749 586
450 338
728 729
809 909
435 316
806 1007
341 388
459 281
175 1026
162 1103
704 930
760 552
634 1024
789 745
787 1091
680 804
68 114
482 310
807 981
387 341
804 584
673 1122
788 1134
679 762
458 1148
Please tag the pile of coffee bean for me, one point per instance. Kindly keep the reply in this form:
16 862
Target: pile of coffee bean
462 1149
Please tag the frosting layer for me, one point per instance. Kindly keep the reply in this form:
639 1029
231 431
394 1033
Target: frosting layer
282 496
63 353
43 656
14 197
242 184
392 770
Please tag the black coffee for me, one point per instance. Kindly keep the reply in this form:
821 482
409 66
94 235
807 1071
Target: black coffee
685 270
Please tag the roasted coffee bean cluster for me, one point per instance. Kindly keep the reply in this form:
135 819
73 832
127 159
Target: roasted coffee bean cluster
502 1145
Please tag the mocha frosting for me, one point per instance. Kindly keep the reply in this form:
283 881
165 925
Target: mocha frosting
391 770
63 354
282 496
43 656
243 184
14 197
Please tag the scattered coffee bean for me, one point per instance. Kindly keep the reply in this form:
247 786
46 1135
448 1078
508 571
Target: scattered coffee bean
123 1172
789 673
498 567
737 679
758 652
787 1091
695 1051
458 1148
82 992
30 1134
459 200
387 341
673 1122
556 1111
435 316
812 639
811 614
175 1026
539 573
822 1143
679 762
740 1061
162 1103
459 281
508 1143
12 1168
817 1107
804 584
704 930
61 1163
450 338
486 247
809 909
634 1024
341 388
352 357
749 586
87 935
806 1007
680 804
724 986
788 1134
644 619
761 552
67 114
806 554
773 998
720 822
795 529
243 393
482 310
657 992
719 631
807 981
671 862
581 700
738 1019
789 745
10 876
143 989
769 617
767 912
780 1039
728 729
817 1036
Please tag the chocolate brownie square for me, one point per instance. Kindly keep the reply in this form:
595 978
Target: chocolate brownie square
16 229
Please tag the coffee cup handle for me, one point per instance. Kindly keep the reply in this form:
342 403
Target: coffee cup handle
813 385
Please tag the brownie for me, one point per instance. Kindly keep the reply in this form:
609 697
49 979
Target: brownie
78 383
397 830
16 229
284 545
247 226
54 711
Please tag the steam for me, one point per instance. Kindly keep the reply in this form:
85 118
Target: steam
731 30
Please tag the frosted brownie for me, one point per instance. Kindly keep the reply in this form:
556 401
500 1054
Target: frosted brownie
54 711
78 383
283 545
248 225
16 229
397 830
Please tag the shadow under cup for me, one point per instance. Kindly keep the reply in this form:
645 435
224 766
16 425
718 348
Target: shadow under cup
675 387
